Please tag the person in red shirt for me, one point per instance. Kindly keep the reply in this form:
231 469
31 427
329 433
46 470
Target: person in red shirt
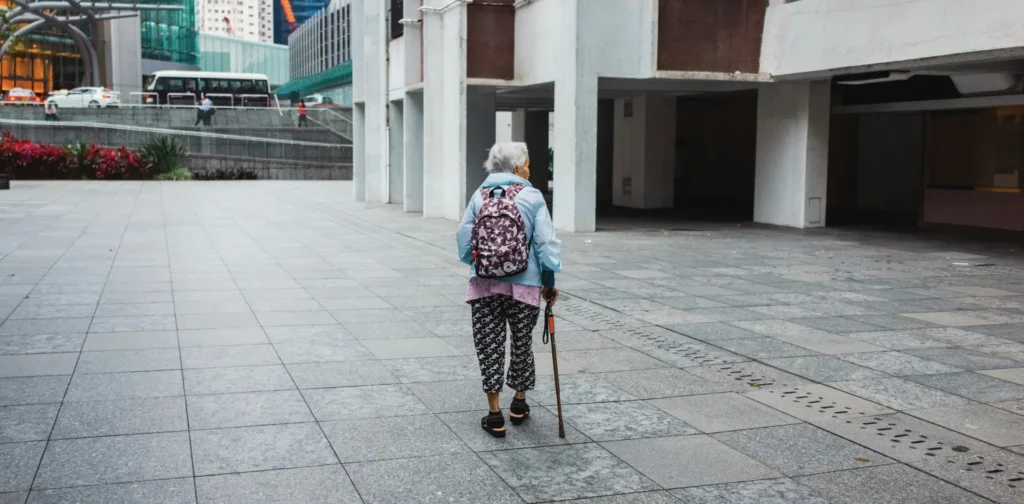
302 114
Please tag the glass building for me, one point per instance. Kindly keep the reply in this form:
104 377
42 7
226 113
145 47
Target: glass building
170 36
220 53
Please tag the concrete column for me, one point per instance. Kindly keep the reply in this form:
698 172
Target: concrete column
359 151
375 87
791 180
396 158
575 146
118 44
643 164
535 134
480 134
412 179
518 133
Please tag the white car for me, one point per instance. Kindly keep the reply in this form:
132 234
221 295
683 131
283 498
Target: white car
83 97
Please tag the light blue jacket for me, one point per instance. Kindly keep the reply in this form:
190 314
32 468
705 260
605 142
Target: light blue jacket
545 248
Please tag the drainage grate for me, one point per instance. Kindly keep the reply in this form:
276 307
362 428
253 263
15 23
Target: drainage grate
905 438
594 318
817 403
997 475
744 376
673 348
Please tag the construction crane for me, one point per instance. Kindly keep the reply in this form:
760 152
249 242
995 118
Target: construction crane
231 29
289 15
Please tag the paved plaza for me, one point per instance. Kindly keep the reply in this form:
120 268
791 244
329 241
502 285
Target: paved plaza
276 342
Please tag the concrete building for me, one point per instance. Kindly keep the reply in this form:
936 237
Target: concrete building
245 19
800 113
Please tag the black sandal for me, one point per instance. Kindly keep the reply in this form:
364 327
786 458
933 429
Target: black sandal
519 411
494 424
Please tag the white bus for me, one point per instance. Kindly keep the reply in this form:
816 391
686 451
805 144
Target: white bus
177 87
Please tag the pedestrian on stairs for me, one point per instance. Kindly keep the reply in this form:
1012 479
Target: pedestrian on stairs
302 114
507 238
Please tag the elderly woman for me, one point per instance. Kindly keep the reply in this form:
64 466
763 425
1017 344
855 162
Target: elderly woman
507 238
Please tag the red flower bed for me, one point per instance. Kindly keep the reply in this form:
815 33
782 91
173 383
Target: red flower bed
25 159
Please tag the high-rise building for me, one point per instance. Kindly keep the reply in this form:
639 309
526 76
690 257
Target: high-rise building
245 19
302 10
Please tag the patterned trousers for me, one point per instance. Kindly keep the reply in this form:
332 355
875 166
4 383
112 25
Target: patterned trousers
490 315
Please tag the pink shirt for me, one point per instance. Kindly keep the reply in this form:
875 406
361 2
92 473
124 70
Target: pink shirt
480 288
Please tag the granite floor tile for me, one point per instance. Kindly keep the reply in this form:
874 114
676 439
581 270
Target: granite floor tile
428 480
624 420
773 491
27 423
228 356
1013 406
369 316
566 472
334 351
243 449
262 306
974 386
659 383
577 389
839 325
100 387
172 491
122 416
104 310
363 402
899 393
979 421
1012 332
747 376
712 331
433 368
29 327
222 337
722 412
607 360
677 462
1015 375
13 366
367 439
247 409
51 311
236 379
341 374
823 368
659 497
891 322
117 459
320 334
891 483
453 396
950 319
764 348
18 463
541 429
800 450
96 342
389 330
126 361
133 323
409 348
41 344
899 364
33 390
308 485
964 358
293 318
187 321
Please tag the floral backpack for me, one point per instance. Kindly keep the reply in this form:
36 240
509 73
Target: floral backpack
499 243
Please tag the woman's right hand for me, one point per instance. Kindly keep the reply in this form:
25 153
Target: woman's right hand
550 294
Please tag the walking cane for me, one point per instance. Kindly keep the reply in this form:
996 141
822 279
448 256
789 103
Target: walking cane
549 334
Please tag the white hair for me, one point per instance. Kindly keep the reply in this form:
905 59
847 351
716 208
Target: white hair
505 157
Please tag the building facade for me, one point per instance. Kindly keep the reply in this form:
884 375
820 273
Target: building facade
301 11
320 54
799 113
244 19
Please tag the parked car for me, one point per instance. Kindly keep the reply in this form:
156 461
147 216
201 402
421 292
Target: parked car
85 97
319 100
21 96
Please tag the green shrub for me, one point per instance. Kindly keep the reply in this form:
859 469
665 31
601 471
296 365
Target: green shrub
163 155
176 174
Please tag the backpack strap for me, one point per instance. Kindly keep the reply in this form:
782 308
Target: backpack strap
501 192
